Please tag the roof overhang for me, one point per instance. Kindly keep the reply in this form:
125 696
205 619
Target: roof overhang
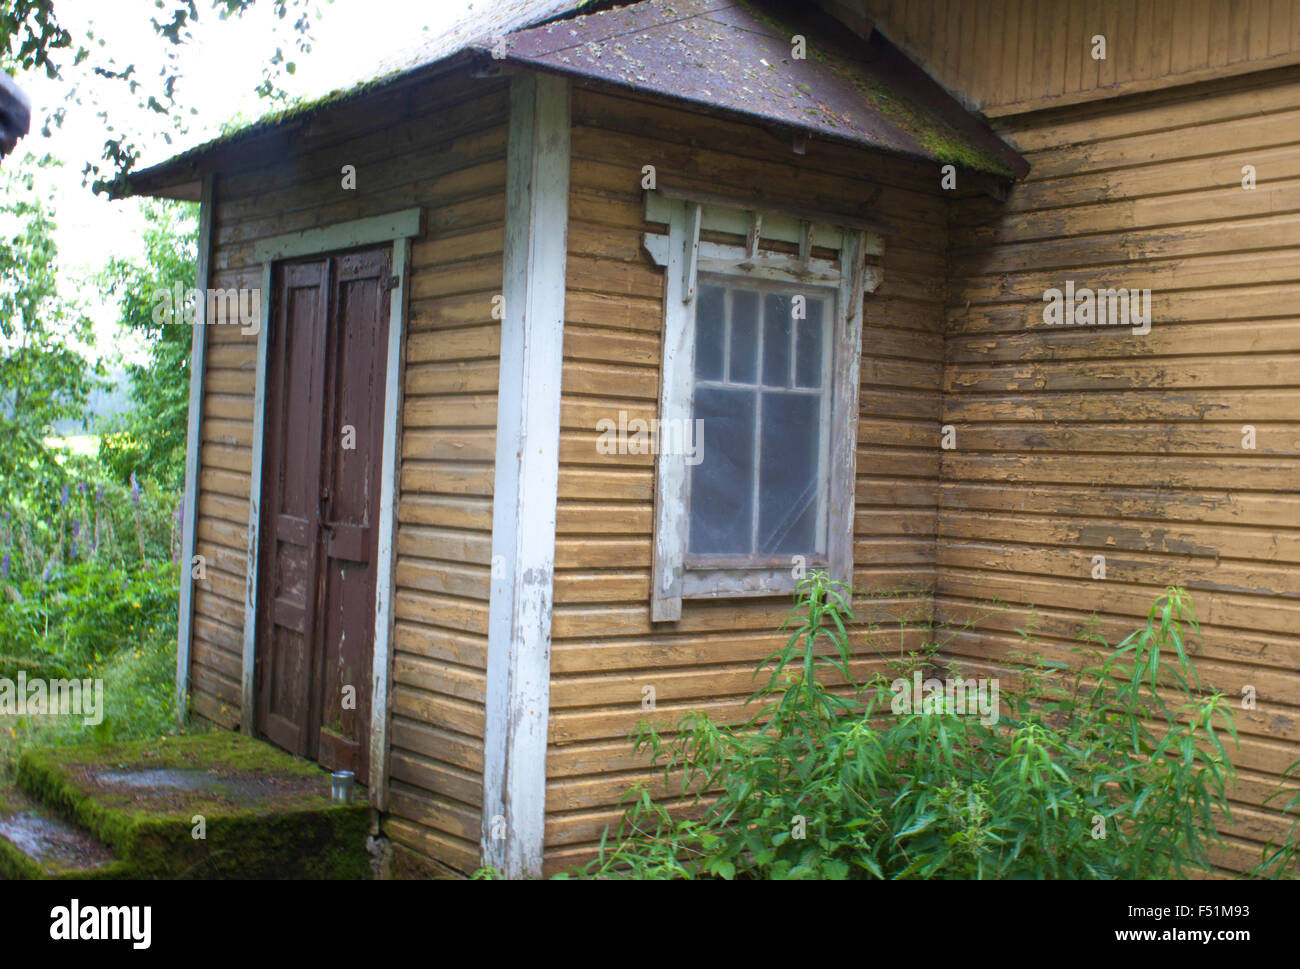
739 56
732 56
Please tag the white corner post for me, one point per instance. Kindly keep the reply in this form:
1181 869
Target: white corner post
386 560
193 442
526 477
247 678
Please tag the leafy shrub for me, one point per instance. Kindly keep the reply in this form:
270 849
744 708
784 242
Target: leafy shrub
1101 778
87 612
94 621
152 434
1279 860
90 521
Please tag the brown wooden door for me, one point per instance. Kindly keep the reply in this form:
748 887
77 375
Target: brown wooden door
325 388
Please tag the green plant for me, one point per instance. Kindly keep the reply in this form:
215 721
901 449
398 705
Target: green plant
1101 779
88 611
152 434
1279 860
44 377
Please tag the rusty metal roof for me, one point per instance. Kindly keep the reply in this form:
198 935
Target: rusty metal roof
733 56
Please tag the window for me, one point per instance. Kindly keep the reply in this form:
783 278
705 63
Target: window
761 396
762 336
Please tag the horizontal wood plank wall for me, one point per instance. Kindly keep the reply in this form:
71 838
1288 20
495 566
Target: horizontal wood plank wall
1008 56
604 647
440 145
1075 442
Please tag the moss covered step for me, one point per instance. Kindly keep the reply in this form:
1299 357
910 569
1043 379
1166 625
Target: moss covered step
35 844
217 805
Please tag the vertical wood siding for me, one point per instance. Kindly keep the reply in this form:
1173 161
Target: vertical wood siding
440 145
1074 442
604 647
1017 55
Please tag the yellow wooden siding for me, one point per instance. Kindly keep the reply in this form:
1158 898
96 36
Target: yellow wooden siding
440 145
1008 56
604 647
1074 442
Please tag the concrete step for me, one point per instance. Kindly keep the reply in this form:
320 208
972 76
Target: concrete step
35 844
217 805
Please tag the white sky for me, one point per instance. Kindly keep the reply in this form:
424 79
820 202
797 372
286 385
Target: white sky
220 69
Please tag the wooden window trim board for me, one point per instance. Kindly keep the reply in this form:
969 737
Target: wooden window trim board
193 440
375 230
526 476
396 229
684 256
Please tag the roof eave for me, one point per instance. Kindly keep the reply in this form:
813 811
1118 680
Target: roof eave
178 176
189 166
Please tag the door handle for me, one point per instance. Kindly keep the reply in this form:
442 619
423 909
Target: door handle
322 508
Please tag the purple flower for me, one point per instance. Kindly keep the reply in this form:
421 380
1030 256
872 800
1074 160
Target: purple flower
65 496
135 489
4 564
99 492
76 528
81 487
74 549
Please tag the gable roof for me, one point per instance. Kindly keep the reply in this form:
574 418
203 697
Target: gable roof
732 56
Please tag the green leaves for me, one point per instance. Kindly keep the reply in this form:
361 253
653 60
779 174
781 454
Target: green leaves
821 785
32 38
44 380
152 434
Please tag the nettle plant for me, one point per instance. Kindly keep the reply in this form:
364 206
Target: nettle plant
1117 772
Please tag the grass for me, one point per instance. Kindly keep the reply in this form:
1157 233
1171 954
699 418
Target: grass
139 702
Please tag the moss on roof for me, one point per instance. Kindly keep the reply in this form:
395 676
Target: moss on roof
900 106
297 110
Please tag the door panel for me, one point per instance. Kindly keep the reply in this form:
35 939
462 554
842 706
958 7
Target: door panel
358 362
291 470
326 370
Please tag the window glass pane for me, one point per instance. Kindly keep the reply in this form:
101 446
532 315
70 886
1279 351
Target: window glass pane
744 336
710 327
808 366
722 484
790 480
776 340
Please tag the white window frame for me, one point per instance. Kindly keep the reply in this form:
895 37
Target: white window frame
684 256
698 562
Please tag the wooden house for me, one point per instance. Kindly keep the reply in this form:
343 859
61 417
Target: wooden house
451 518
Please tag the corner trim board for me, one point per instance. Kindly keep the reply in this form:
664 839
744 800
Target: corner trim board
193 440
247 695
386 559
526 476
